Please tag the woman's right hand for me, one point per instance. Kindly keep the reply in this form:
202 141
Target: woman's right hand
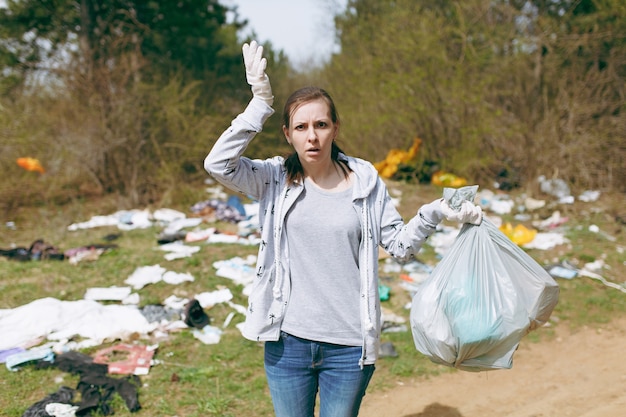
255 72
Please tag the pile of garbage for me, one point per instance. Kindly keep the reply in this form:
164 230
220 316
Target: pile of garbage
50 332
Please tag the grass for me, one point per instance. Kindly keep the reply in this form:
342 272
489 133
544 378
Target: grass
227 379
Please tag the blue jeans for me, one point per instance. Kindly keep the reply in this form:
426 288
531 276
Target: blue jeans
297 368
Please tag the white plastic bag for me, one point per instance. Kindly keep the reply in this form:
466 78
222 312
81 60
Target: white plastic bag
481 299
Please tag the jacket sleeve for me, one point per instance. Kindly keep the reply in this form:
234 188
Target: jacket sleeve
403 240
225 161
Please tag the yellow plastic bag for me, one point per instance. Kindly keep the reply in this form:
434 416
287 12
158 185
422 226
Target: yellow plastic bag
30 164
446 179
520 234
389 166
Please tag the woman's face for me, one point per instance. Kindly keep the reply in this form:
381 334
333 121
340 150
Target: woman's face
311 132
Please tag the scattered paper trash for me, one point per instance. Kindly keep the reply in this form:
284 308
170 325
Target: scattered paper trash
532 204
61 410
589 196
558 271
238 269
209 299
209 335
545 241
555 187
178 249
145 275
171 277
595 229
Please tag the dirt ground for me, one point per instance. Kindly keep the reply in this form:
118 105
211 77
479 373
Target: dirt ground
581 374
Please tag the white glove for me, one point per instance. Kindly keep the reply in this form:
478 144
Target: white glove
255 72
468 213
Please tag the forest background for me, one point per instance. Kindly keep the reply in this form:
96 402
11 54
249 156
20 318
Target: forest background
124 98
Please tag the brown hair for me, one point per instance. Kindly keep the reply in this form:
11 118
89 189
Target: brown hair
295 172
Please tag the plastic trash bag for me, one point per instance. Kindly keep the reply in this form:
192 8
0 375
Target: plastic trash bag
481 299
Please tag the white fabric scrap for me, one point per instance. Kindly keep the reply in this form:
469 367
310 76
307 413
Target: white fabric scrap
58 320
176 303
391 266
217 192
443 239
199 235
176 255
252 222
589 196
209 335
86 255
390 317
237 269
61 410
222 238
545 241
180 224
175 325
238 308
499 206
108 294
251 209
95 221
533 204
145 275
171 277
553 221
167 215
132 299
139 219
590 274
595 229
228 238
123 219
228 319
178 249
209 299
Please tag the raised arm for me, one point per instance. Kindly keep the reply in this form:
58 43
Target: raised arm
225 161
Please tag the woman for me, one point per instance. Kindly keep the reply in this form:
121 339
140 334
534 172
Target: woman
323 214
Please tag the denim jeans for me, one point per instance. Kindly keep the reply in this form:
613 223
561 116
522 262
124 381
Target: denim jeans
297 368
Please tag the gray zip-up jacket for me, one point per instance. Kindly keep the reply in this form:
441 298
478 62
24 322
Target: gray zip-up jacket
266 181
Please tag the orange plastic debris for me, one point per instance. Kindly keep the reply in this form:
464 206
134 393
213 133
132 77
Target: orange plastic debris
406 277
389 166
30 164
446 179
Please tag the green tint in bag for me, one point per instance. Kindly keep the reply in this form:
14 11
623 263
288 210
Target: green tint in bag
481 299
